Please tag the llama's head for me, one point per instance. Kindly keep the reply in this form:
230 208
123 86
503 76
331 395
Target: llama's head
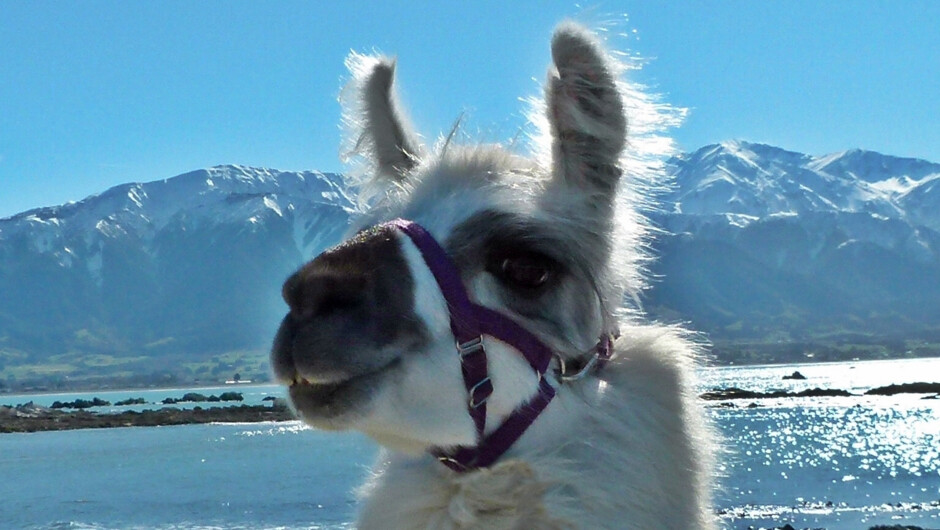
367 344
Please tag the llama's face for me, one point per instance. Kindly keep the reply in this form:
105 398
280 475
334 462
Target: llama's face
367 344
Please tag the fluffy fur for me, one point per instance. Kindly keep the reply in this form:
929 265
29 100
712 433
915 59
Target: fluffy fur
623 448
626 451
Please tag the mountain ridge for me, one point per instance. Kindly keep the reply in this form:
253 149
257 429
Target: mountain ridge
739 211
758 242
758 180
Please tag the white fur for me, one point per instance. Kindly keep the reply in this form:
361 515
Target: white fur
627 451
624 448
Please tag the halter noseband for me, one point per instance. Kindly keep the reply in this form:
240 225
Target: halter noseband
469 323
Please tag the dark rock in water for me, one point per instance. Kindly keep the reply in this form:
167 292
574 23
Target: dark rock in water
30 410
80 404
194 397
730 393
737 393
823 392
931 397
795 375
268 398
131 401
906 388
231 396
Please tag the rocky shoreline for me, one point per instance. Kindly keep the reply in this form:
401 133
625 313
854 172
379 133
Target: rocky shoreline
930 391
29 417
34 418
878 527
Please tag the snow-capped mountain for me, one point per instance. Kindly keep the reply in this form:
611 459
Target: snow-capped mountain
868 197
768 241
753 181
765 243
220 195
191 264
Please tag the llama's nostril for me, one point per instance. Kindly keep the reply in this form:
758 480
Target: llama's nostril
345 279
320 295
338 301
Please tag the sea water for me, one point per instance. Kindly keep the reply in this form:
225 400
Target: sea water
835 463
265 475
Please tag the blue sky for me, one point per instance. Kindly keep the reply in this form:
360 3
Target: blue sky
97 93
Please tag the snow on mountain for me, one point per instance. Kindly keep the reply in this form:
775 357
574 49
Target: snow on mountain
772 242
190 263
921 201
754 181
759 180
765 243
873 167
218 194
215 196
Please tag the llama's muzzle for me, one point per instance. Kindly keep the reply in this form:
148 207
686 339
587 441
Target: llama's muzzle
348 308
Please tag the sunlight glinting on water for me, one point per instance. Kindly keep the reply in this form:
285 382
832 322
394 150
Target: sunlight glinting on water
855 377
839 463
843 443
294 427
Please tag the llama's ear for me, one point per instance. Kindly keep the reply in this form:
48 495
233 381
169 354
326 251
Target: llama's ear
585 112
380 130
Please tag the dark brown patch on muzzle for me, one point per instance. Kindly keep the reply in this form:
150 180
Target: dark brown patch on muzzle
351 312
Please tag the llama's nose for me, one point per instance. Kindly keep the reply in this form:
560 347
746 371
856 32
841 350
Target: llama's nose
347 279
316 292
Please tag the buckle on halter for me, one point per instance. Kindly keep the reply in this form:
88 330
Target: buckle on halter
486 387
601 354
471 346
452 463
563 374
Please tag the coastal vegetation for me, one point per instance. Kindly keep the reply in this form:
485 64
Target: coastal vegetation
73 372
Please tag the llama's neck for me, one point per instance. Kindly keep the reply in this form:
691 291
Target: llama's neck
621 451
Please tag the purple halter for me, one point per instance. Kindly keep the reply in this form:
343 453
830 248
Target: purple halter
469 323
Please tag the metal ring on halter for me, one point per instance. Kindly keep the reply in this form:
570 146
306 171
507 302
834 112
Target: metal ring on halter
580 374
453 462
474 404
471 346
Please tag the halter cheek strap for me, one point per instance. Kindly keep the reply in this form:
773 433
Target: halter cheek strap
469 324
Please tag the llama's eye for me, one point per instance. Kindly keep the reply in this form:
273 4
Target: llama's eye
527 271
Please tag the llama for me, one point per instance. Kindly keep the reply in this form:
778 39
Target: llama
473 324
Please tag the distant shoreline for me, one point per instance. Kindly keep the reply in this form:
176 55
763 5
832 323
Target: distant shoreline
33 418
83 387
29 417
732 392
79 389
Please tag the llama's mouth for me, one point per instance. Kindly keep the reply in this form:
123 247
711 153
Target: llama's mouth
333 405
